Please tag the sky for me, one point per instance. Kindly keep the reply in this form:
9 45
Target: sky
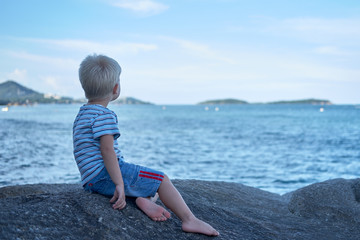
188 51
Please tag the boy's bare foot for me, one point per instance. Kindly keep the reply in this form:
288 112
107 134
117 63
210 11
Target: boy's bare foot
195 225
152 210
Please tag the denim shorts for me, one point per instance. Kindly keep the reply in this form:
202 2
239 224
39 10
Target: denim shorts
139 181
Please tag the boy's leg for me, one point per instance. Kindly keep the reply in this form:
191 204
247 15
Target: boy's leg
172 199
134 188
152 210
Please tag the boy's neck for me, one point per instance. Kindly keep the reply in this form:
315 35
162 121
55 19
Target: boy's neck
103 102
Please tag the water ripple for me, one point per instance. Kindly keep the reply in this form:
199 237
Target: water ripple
276 148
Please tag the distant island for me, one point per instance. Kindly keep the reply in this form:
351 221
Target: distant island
131 101
223 101
311 101
13 93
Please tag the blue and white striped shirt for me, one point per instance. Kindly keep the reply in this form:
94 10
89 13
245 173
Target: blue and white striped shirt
92 122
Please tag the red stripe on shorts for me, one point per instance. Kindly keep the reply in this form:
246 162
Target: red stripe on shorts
146 176
153 174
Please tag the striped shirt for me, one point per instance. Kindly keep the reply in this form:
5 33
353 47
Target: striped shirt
92 122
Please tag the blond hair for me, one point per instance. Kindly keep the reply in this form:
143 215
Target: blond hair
98 75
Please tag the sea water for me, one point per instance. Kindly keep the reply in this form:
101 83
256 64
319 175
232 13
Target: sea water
278 148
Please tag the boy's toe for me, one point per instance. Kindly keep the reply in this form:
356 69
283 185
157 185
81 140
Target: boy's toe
166 214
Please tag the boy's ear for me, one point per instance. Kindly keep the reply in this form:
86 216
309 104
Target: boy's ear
116 88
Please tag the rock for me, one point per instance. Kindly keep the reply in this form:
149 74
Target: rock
326 210
333 200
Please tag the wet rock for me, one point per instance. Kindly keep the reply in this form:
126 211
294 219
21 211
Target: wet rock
326 210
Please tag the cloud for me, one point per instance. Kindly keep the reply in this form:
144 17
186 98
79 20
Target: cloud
56 61
343 27
147 7
318 30
331 50
91 46
17 74
199 49
52 82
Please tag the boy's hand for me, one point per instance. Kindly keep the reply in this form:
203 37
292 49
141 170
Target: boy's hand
118 198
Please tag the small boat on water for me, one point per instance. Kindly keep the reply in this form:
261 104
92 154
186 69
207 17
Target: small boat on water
5 109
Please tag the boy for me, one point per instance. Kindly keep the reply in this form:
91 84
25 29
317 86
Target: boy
101 165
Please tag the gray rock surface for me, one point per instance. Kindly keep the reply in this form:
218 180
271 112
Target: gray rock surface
328 210
339 201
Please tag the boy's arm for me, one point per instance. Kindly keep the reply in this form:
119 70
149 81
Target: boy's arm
112 166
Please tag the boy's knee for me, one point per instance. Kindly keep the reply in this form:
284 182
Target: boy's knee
166 178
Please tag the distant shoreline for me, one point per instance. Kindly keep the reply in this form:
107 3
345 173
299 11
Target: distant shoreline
134 101
14 94
179 104
311 101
